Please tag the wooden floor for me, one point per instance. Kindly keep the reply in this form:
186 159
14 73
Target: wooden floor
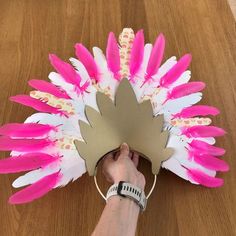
29 30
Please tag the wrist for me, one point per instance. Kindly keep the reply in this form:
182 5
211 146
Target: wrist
119 201
127 190
138 181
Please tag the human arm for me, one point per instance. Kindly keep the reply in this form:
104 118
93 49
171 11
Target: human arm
120 214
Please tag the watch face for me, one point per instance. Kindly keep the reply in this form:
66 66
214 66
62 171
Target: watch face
120 188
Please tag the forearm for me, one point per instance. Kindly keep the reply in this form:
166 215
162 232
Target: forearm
119 217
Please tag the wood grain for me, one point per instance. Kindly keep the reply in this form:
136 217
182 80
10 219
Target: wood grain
232 4
29 30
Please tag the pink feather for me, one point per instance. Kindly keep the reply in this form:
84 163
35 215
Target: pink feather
155 58
136 55
36 190
24 145
65 70
36 104
198 110
47 87
176 71
25 162
113 56
201 147
88 61
84 86
202 131
26 130
184 90
210 162
204 179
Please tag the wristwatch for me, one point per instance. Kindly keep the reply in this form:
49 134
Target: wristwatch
125 189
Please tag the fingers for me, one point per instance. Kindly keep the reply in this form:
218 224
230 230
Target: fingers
107 160
130 155
106 163
117 154
135 159
124 150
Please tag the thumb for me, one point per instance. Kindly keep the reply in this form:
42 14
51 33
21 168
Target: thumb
124 150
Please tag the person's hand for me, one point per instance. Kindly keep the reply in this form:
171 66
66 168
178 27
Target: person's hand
122 166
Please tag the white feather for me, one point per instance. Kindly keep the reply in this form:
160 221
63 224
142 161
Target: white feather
68 126
139 77
179 144
89 99
59 81
164 68
209 140
100 59
146 56
81 69
33 176
174 166
107 76
72 167
176 105
183 79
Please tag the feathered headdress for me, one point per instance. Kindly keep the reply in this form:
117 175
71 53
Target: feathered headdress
94 101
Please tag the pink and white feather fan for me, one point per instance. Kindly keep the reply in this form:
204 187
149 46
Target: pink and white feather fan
44 144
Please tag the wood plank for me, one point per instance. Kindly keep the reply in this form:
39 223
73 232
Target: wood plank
29 30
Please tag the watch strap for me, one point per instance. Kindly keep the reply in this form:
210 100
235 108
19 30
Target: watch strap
126 189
